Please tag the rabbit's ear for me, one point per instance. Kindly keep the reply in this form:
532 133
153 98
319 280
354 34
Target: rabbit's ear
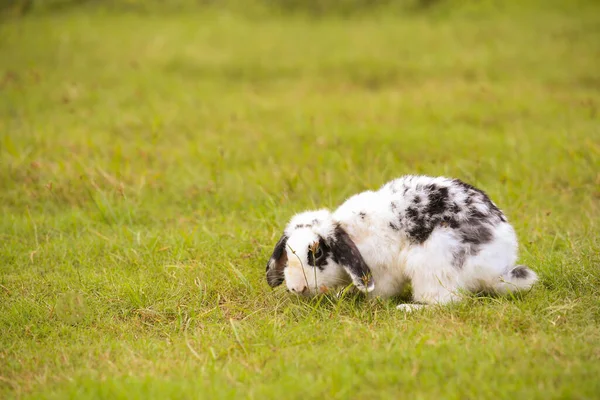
277 263
346 254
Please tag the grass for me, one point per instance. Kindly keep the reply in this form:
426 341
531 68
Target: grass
148 163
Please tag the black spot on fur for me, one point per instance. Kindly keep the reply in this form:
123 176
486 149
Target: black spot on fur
394 206
476 215
319 257
419 225
450 221
438 199
420 232
423 220
394 227
471 190
455 209
302 226
412 212
520 272
362 215
475 233
458 257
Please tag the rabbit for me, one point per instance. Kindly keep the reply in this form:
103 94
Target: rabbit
442 235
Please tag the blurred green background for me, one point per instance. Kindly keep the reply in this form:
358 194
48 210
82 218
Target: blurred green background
151 153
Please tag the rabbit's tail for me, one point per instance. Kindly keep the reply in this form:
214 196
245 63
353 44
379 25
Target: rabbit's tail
517 279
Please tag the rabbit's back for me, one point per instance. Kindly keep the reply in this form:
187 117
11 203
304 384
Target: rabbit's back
422 204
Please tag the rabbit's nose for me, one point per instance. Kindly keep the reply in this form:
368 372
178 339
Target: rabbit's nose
300 290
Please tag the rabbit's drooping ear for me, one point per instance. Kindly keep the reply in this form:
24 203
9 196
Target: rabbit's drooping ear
277 263
347 255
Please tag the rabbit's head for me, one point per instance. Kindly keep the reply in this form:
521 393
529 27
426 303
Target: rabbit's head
314 255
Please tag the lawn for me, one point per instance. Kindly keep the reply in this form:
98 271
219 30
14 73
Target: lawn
150 160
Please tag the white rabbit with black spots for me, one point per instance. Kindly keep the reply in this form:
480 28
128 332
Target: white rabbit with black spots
442 235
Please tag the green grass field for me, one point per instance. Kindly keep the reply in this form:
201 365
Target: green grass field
149 161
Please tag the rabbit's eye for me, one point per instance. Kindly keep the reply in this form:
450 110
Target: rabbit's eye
318 253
